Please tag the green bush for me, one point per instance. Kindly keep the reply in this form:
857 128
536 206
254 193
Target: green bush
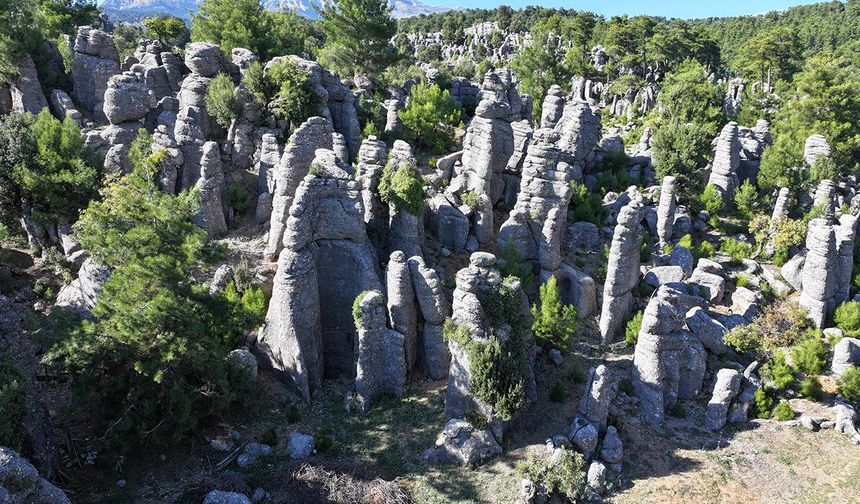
847 318
783 411
736 249
13 405
586 206
764 403
324 441
261 87
742 280
295 99
679 149
270 437
810 388
554 322
403 187
779 372
631 332
294 413
221 100
248 307
152 361
788 233
712 201
472 200
430 118
746 200
644 250
557 392
704 249
564 476
810 354
745 339
511 263
356 307
849 385
238 198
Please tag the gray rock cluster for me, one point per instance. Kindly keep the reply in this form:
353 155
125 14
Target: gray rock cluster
461 443
25 90
295 164
326 256
669 360
82 293
95 61
536 225
726 388
826 269
622 272
726 162
381 366
846 354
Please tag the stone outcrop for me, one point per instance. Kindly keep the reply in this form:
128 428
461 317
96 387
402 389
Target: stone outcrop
434 309
20 482
381 367
552 108
299 153
827 246
82 293
666 211
372 156
669 360
815 147
62 107
622 272
95 61
726 162
211 186
461 443
405 229
580 132
600 390
474 282
25 89
326 262
726 388
536 225
270 156
401 304
846 354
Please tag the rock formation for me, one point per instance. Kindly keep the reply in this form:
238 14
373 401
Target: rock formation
405 229
299 153
328 259
211 185
666 211
726 163
25 89
372 156
669 360
381 367
815 147
20 482
622 272
95 61
827 247
270 156
726 388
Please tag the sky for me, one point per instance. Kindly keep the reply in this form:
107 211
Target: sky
686 9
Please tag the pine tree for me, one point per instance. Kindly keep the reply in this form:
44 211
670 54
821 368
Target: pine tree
554 322
357 33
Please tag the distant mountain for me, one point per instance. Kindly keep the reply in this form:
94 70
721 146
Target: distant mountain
135 10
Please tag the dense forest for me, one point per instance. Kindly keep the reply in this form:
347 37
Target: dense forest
483 255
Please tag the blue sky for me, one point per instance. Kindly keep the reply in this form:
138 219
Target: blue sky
667 8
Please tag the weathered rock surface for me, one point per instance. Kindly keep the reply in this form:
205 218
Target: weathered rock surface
20 482
726 162
846 354
25 89
95 61
622 272
726 388
666 210
381 369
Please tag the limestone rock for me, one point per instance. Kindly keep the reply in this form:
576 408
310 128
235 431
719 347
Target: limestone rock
846 354
726 162
599 392
26 91
126 98
666 210
20 482
726 388
460 443
612 450
401 304
95 61
381 369
814 147
709 331
622 272
211 185
81 295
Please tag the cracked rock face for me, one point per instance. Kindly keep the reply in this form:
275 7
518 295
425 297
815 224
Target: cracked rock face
381 367
326 262
823 289
815 146
211 186
20 482
26 91
622 272
666 210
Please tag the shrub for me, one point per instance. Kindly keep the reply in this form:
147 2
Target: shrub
512 264
356 307
324 441
564 476
403 187
295 99
712 201
294 413
680 148
783 411
248 307
554 322
631 332
745 339
849 384
779 371
746 200
259 84
557 392
238 198
645 250
742 280
810 388
677 410
810 354
472 200
221 100
735 249
704 249
13 405
782 324
763 403
586 206
788 233
430 117
847 318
